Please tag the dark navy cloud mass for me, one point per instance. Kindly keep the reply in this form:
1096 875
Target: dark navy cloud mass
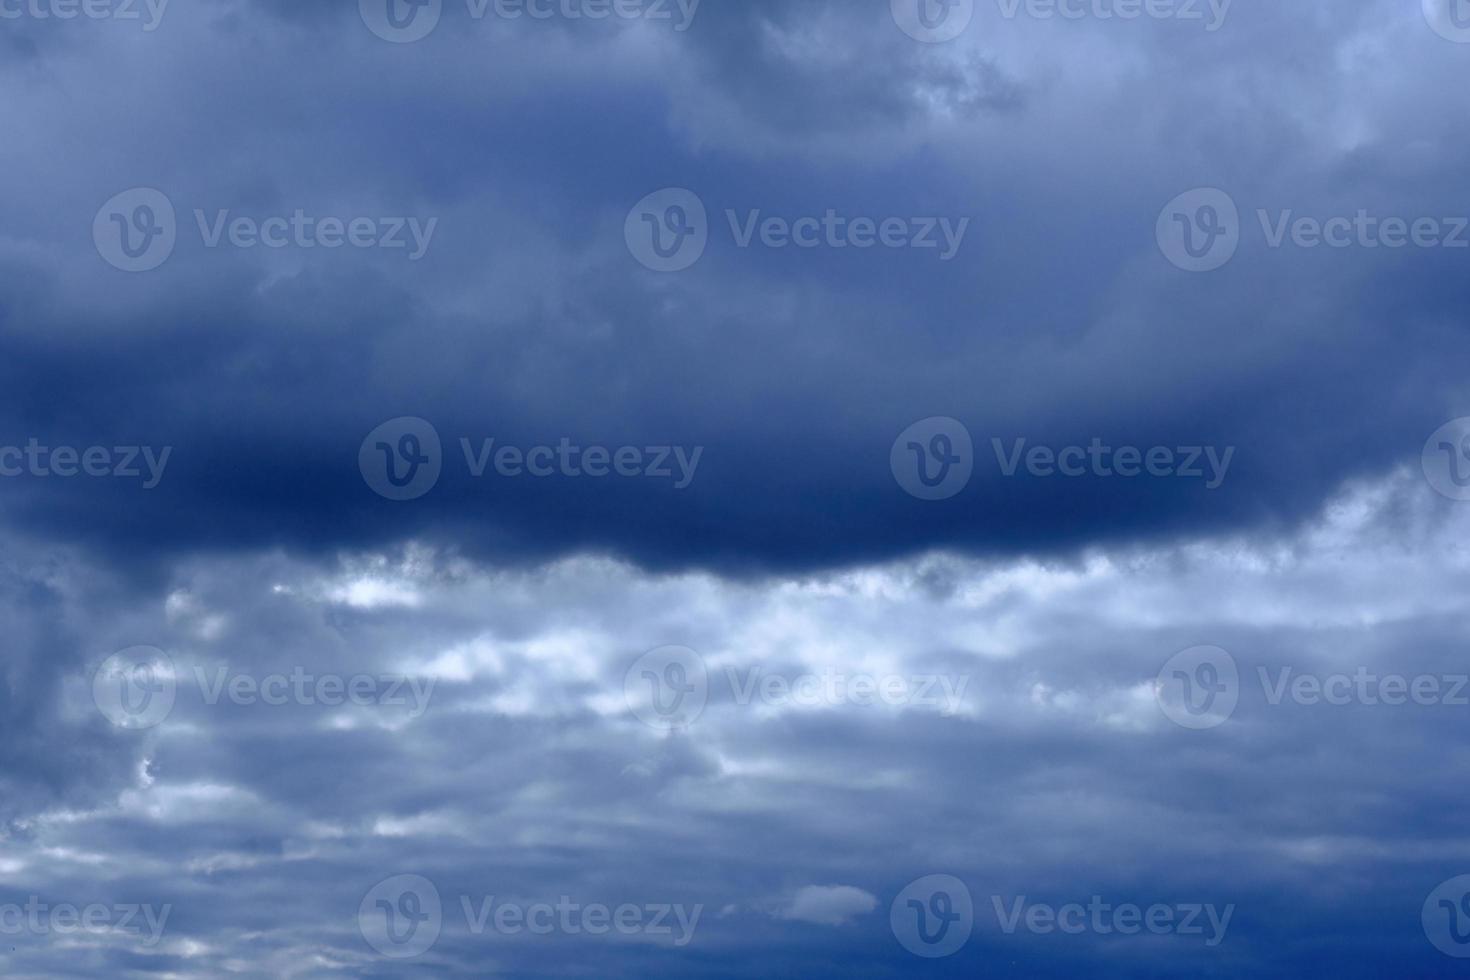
515 460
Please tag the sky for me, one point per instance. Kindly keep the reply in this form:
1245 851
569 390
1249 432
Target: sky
724 488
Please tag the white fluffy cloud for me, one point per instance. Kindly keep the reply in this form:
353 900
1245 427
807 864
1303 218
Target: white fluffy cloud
261 824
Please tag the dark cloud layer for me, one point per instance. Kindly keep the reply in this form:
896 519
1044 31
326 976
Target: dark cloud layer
528 320
245 381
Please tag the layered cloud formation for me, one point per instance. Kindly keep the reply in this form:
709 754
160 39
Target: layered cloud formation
1009 735
282 288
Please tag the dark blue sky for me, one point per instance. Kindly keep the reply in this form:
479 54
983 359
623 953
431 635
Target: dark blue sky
1013 346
